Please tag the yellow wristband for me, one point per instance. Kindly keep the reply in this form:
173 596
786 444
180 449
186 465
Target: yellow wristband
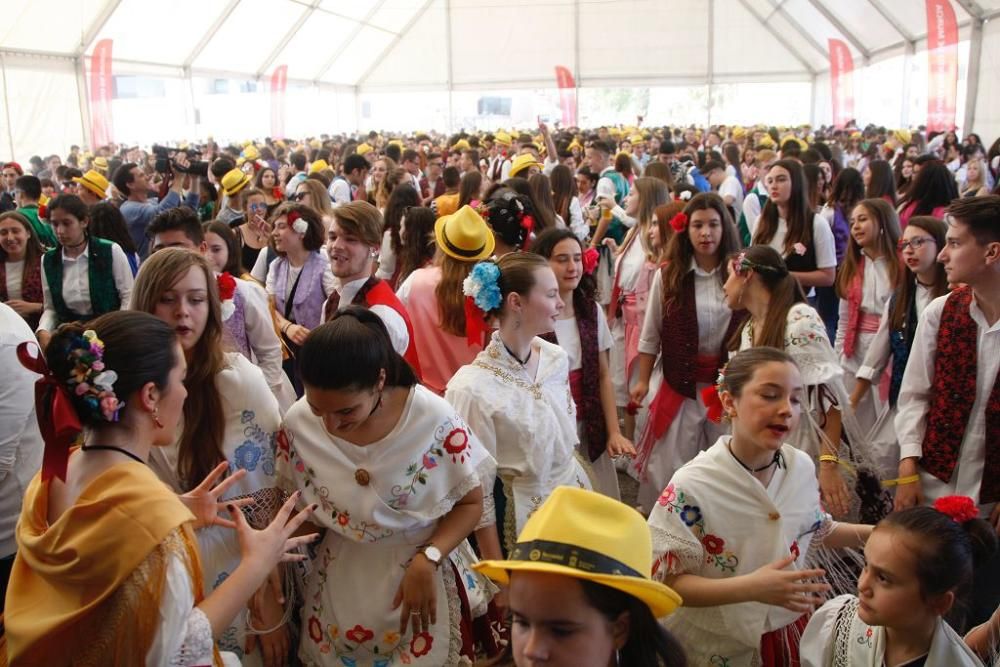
900 481
830 458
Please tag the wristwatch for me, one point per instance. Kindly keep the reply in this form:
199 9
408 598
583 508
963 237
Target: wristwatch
432 553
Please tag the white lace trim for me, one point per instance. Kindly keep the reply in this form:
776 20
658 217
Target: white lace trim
197 645
484 471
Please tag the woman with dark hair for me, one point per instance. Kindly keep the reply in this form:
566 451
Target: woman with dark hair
83 276
21 267
134 593
397 475
903 172
568 613
107 222
230 417
402 198
266 182
933 189
780 317
416 239
582 331
586 186
790 226
686 327
623 165
567 205
470 189
511 218
542 204
880 182
848 190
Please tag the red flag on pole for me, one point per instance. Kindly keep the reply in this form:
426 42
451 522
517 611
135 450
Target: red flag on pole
942 65
841 82
567 95
279 81
101 88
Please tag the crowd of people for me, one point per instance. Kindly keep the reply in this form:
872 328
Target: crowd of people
368 400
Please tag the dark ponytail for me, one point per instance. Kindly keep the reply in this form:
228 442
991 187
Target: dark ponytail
349 351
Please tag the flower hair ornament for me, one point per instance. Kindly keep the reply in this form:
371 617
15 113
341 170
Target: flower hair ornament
482 295
590 259
711 397
960 509
685 195
297 222
227 293
679 222
89 381
742 264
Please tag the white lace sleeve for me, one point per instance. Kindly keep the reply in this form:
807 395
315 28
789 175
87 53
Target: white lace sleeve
819 641
806 341
185 636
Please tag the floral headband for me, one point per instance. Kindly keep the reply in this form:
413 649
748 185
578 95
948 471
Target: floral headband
742 264
482 295
297 222
89 378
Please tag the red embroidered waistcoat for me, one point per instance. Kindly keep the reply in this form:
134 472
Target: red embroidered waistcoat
952 394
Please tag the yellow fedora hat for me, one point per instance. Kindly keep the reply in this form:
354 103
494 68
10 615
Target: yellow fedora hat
522 162
234 181
94 181
464 235
586 535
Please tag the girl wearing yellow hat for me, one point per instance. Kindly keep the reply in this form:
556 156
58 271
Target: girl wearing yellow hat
736 531
580 591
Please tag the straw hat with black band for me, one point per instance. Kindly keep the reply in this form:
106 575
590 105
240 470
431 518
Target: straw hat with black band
464 235
94 181
586 535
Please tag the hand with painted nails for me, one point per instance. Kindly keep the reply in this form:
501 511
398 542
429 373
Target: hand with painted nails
274 544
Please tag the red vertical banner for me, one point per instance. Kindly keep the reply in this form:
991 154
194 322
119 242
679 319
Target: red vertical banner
101 89
567 96
841 82
942 65
279 81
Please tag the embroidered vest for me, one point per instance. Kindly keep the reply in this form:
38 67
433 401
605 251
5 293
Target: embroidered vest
31 286
104 296
679 339
900 343
307 304
588 409
376 292
952 395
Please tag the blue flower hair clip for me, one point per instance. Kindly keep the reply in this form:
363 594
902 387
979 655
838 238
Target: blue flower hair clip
482 284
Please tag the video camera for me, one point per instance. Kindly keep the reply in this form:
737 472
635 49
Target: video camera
166 162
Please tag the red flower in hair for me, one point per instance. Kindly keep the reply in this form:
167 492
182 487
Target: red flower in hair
227 286
292 217
679 222
590 258
959 508
528 224
278 193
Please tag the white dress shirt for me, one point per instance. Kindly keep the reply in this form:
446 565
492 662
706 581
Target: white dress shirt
76 285
826 250
713 313
394 323
915 398
15 275
879 350
876 288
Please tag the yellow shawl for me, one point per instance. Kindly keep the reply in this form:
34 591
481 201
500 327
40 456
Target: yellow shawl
87 588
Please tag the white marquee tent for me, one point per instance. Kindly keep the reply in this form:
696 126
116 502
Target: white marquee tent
188 69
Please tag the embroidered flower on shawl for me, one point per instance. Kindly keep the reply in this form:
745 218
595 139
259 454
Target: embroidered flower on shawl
283 447
429 462
333 631
247 456
227 290
315 630
390 637
959 508
590 258
421 644
483 286
455 443
690 515
799 249
668 496
713 544
343 518
359 634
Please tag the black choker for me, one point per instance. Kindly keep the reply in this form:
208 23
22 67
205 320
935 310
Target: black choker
776 461
517 358
74 247
112 448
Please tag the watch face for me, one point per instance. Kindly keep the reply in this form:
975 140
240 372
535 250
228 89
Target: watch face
433 554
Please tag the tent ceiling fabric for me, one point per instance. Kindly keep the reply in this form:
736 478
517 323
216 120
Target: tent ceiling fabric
379 44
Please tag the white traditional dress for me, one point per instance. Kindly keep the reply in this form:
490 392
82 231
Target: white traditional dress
716 520
837 637
379 503
527 424
251 420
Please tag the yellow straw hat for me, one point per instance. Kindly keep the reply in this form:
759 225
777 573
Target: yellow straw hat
101 164
234 181
464 235
461 145
586 535
522 162
319 165
902 136
502 138
363 149
94 181
251 152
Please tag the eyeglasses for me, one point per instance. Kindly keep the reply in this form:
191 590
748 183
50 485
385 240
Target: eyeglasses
299 196
915 243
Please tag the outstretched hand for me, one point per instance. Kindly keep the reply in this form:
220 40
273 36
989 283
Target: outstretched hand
274 544
203 500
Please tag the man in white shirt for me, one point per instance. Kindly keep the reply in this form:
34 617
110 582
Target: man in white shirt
21 443
410 161
298 161
345 188
728 187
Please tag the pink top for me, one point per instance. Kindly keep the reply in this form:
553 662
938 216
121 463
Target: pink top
441 353
907 213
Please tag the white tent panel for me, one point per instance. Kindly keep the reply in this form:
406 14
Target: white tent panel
913 17
353 9
816 29
319 38
29 24
988 98
249 35
672 35
819 59
394 14
864 23
165 35
510 50
743 45
45 110
417 59
358 56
